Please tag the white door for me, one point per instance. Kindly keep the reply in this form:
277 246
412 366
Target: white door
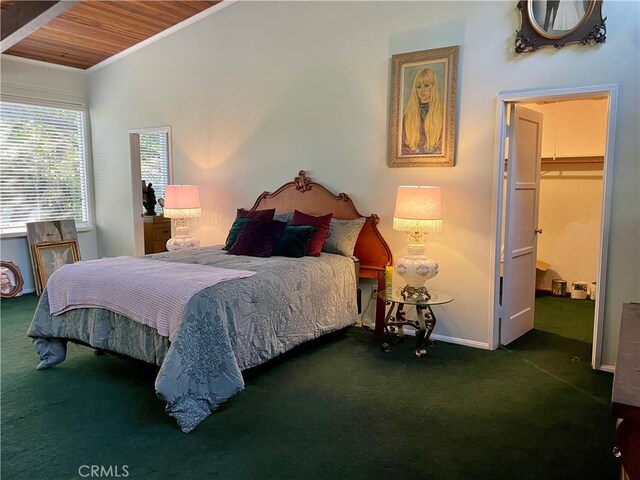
521 223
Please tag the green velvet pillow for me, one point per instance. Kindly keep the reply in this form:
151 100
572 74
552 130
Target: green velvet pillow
294 241
238 223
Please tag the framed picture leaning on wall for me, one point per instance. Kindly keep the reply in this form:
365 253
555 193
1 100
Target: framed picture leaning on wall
48 231
52 256
423 108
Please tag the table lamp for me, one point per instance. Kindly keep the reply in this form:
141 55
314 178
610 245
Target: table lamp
418 211
182 202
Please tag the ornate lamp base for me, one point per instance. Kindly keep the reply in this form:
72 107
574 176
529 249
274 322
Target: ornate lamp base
415 293
416 269
182 240
182 243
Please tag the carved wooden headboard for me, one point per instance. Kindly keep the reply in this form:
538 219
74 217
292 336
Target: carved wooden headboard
312 198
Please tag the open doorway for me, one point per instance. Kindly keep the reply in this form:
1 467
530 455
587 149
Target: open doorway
572 165
151 172
571 192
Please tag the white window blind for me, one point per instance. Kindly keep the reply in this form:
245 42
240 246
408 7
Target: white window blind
43 166
154 161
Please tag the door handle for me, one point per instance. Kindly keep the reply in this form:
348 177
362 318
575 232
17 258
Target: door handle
538 231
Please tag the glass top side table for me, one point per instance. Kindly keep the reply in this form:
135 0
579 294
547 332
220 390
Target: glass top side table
425 323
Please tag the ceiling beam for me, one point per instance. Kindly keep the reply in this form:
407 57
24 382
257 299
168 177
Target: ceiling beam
22 18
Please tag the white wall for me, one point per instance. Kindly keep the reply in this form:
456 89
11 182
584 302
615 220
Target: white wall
260 90
570 209
19 78
574 128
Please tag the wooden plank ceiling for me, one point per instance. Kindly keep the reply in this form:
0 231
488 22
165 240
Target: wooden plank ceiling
93 30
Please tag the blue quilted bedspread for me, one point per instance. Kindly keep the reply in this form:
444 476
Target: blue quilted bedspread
225 329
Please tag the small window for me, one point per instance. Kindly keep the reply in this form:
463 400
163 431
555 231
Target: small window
43 163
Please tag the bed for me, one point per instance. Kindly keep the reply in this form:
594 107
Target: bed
237 324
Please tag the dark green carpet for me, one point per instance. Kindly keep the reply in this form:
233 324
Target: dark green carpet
338 409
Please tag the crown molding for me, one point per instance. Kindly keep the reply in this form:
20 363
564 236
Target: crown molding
40 63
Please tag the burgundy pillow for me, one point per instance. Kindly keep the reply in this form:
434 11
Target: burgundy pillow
265 215
322 225
257 238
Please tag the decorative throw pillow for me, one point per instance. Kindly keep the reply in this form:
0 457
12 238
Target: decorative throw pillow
322 229
257 239
343 235
238 223
265 215
283 217
294 241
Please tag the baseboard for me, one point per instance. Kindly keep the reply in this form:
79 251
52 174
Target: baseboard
608 368
461 341
458 341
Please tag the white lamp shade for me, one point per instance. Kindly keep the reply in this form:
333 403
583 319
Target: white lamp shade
418 209
181 201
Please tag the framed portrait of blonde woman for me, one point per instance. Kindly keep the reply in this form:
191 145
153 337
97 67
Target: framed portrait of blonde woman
423 108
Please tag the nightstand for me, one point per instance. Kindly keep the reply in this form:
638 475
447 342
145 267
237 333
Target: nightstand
424 324
157 230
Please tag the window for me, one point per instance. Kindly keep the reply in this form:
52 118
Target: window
43 165
154 160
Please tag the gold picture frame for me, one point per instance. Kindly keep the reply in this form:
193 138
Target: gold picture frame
48 231
423 108
51 256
